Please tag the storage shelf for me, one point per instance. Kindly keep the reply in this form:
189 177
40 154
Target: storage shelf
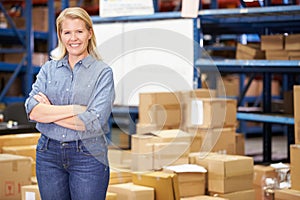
231 65
268 118
155 16
278 19
10 67
258 21
4 33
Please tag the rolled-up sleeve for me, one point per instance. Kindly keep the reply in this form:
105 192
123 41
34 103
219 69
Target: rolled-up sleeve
100 104
38 86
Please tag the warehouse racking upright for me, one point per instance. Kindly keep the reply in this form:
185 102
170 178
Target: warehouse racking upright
25 38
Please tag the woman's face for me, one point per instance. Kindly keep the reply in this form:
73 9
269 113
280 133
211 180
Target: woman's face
75 37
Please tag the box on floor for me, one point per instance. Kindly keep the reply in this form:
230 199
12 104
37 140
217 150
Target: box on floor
130 191
191 179
31 192
164 184
19 139
226 173
16 171
287 194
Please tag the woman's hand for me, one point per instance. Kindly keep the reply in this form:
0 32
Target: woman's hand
40 97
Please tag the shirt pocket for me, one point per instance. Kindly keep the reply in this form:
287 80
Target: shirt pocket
52 91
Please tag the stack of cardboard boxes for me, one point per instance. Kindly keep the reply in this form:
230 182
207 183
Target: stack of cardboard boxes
159 164
271 47
294 191
281 47
229 176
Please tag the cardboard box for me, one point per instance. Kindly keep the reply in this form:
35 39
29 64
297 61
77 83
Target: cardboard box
185 96
159 148
228 86
15 172
20 22
238 195
191 179
211 113
261 172
164 184
40 18
249 52
220 140
295 166
130 191
118 176
19 139
120 159
272 42
111 196
294 53
162 108
38 59
140 143
226 173
292 42
25 150
162 154
287 194
294 57
146 128
203 197
30 192
277 55
239 144
297 113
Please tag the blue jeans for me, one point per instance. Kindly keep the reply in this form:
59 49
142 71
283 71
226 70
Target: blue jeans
67 170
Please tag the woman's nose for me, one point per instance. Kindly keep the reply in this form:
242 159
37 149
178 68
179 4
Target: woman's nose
73 36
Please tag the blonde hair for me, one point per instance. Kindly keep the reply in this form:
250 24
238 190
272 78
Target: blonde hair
74 13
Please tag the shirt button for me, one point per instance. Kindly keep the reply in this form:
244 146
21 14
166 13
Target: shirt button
63 136
67 90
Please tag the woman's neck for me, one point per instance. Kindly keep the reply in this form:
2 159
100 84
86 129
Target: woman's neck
75 59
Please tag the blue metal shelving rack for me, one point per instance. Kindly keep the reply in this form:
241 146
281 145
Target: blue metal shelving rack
262 20
26 37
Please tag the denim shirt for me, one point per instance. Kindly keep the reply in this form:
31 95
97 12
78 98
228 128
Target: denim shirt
90 83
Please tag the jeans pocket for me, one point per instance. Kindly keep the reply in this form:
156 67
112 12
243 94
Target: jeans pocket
42 143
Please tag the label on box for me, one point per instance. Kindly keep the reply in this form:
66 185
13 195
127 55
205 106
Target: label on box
197 112
29 196
114 8
190 8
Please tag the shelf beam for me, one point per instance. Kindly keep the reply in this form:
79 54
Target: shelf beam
268 118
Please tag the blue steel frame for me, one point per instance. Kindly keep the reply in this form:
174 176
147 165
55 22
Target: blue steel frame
26 38
266 20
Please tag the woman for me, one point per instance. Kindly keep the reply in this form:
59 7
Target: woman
71 101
